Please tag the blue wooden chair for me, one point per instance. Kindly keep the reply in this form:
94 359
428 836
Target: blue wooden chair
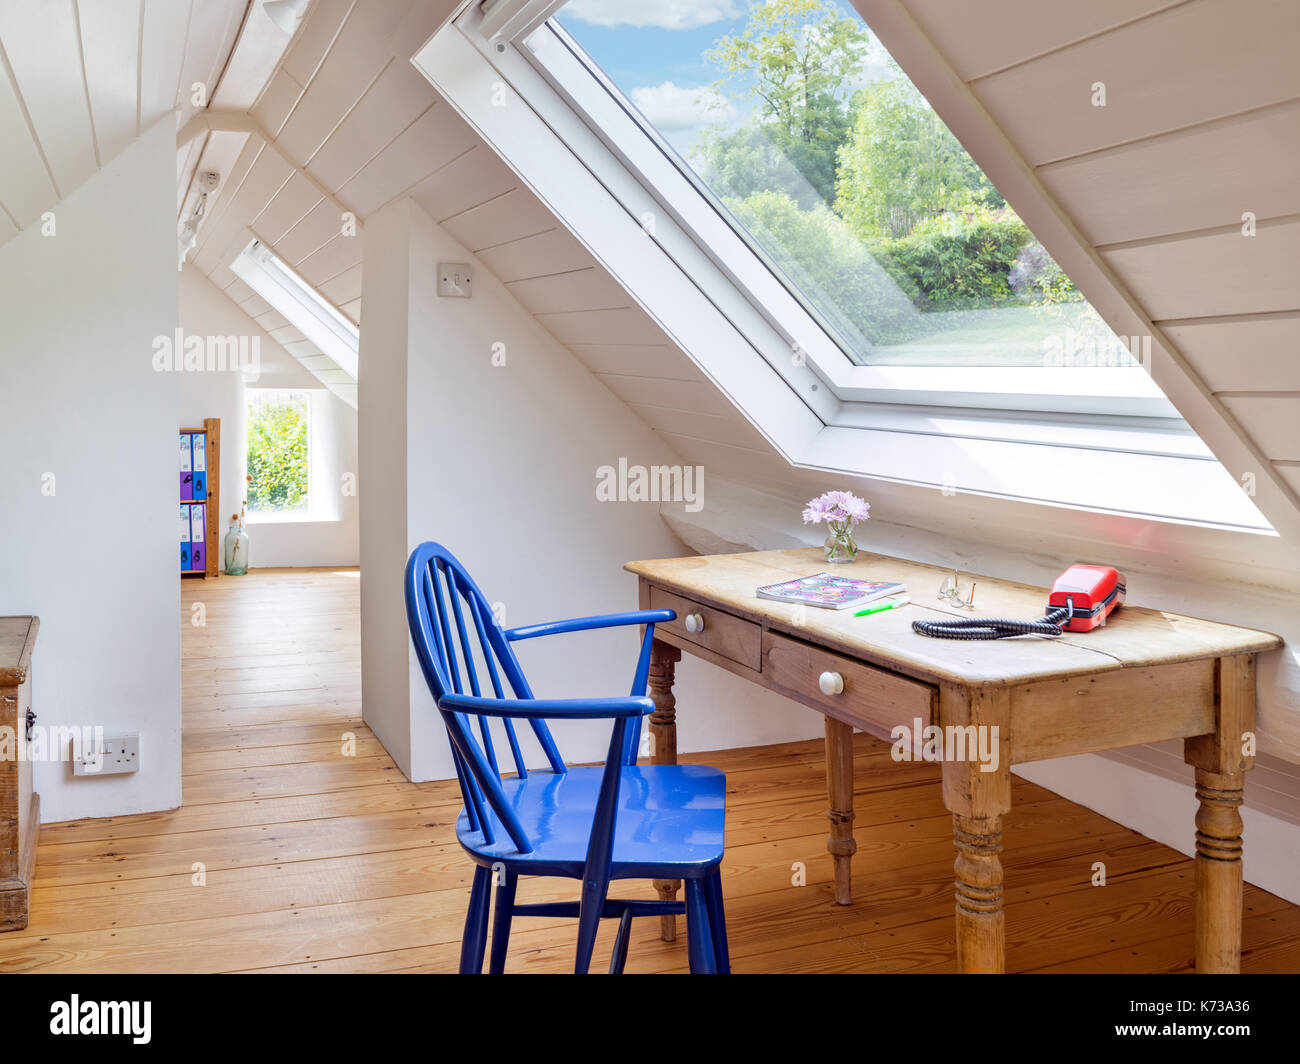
596 824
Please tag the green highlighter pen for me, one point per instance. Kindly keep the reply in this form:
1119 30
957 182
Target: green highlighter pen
887 604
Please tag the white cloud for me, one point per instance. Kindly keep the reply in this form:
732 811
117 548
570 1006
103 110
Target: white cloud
671 108
666 14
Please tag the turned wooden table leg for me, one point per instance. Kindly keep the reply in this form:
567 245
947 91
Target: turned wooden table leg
839 787
663 730
1218 871
977 791
1221 760
981 925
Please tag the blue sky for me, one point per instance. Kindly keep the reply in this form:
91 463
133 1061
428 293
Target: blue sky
653 50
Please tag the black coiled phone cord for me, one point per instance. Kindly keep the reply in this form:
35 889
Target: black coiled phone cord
988 628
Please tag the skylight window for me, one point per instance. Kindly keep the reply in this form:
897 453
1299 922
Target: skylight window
810 140
823 248
272 279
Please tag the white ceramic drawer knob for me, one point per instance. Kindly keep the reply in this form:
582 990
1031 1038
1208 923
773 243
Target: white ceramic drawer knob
695 622
831 683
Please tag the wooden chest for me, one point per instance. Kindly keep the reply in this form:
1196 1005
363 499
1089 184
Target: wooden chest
19 807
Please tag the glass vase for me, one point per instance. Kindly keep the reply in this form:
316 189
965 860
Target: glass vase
840 544
236 551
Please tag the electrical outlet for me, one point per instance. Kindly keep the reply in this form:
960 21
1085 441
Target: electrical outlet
112 755
454 280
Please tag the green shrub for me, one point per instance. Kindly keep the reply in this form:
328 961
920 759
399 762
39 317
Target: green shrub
277 454
956 264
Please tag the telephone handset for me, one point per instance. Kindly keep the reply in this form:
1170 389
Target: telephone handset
1082 598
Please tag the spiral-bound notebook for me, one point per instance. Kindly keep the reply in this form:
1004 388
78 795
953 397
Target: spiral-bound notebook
829 592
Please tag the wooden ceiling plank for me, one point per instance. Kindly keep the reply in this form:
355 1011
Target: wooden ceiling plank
392 103
532 256
516 214
162 46
1214 273
110 39
43 52
1249 163
1243 353
1155 77
468 180
979 41
434 139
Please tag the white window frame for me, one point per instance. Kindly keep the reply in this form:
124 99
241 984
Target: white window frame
1112 391
740 324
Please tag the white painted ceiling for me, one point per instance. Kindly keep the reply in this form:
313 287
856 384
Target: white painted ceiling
81 79
1202 124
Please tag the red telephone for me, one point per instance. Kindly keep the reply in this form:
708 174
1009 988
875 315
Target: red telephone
1090 593
1082 598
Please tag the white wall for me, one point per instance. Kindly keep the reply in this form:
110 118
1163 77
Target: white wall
498 462
207 311
79 400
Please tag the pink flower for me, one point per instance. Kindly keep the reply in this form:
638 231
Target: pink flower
817 511
836 506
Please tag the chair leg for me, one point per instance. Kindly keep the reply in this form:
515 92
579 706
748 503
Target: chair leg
699 943
590 910
717 922
505 904
474 939
619 957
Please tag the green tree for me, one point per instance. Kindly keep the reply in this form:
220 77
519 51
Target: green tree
796 59
900 164
277 454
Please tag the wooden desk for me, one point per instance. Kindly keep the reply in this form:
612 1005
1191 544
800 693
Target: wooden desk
1146 676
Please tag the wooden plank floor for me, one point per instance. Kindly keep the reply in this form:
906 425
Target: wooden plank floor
315 854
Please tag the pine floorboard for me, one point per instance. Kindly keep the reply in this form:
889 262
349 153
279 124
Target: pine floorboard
300 847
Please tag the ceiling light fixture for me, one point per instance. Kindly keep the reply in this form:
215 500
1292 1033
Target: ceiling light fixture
189 235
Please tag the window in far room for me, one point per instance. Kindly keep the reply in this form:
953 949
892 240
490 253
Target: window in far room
279 452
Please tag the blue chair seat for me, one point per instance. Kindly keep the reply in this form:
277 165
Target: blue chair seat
670 822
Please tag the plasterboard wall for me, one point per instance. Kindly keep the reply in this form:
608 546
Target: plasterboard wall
95 558
500 464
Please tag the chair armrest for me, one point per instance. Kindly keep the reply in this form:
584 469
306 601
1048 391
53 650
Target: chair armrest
552 708
584 624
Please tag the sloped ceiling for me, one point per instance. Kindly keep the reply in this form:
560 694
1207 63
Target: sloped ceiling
81 79
1147 201
1140 200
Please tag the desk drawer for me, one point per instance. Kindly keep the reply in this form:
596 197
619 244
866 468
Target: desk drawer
729 636
872 699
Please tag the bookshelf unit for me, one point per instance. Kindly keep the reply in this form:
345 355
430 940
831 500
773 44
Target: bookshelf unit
200 486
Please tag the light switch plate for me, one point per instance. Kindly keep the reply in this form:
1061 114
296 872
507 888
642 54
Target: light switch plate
454 280
119 753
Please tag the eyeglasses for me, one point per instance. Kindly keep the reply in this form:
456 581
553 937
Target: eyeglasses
952 592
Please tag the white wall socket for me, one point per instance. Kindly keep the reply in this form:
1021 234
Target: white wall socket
454 280
116 754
